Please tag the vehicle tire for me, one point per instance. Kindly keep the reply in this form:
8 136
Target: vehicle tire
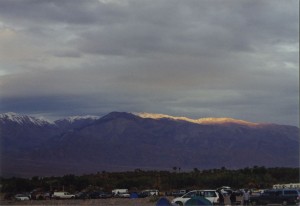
179 203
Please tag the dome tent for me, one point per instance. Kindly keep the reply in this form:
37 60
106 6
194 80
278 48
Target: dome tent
163 202
197 201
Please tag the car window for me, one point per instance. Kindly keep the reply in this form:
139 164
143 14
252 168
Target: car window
275 193
196 194
209 194
189 195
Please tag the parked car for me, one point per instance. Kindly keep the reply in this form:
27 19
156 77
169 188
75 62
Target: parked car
9 196
63 195
211 195
238 192
21 197
277 196
40 195
115 192
94 195
148 193
225 190
120 193
100 194
105 195
81 195
124 195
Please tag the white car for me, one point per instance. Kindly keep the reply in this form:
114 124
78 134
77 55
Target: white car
21 197
63 195
126 195
211 195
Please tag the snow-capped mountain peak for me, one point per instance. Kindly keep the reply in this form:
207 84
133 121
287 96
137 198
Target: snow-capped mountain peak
208 120
22 119
73 119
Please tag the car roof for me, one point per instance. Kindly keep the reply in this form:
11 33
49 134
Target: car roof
202 191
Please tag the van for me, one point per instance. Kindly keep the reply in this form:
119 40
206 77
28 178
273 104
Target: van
277 196
120 193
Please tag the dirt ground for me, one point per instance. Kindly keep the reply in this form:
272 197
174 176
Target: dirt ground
101 202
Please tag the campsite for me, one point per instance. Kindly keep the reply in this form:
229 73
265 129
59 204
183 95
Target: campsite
166 182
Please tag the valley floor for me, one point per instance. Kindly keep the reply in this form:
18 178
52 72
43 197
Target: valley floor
100 202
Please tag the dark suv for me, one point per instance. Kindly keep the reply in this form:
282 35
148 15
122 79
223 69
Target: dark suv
278 196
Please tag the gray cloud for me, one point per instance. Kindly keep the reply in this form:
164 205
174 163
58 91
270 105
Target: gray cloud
187 58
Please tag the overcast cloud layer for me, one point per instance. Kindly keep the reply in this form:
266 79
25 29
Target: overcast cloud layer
201 58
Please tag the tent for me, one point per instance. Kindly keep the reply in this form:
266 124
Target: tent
197 201
163 202
133 195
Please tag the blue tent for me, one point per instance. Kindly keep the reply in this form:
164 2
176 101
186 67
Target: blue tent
197 201
133 195
163 202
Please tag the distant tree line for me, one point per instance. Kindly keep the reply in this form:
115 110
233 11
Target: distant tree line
255 177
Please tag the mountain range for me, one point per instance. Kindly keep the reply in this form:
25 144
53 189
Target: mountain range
121 141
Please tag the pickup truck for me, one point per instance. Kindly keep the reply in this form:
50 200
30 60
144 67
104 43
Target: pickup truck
277 196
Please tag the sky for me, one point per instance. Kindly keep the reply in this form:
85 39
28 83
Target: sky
195 58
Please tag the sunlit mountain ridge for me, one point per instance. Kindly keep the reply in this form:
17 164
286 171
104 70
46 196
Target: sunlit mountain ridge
20 118
207 120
